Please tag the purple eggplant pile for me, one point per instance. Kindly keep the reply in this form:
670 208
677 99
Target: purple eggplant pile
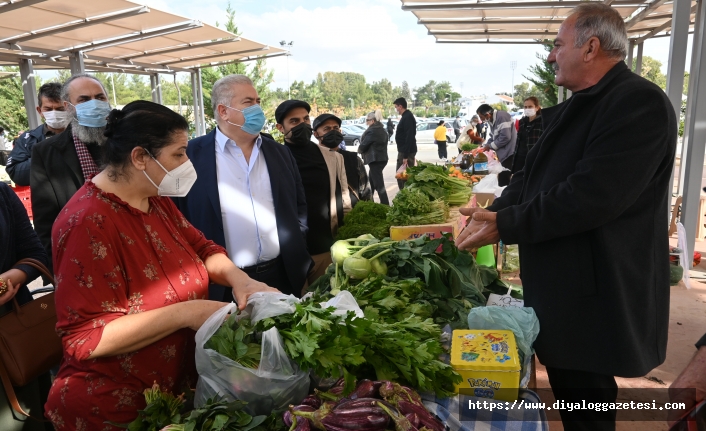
372 406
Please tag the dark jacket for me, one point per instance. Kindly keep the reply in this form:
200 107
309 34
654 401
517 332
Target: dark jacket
202 206
373 144
390 127
18 162
406 135
54 178
589 214
527 137
17 241
357 177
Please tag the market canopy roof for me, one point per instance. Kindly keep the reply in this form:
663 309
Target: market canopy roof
528 21
116 35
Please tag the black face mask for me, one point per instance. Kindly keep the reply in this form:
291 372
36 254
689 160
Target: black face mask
300 134
332 139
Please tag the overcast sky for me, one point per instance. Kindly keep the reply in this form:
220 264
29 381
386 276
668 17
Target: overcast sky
372 37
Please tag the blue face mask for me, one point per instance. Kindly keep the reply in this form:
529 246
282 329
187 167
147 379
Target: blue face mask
93 113
254 119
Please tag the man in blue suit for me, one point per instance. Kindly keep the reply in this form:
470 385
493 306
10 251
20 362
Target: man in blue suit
248 196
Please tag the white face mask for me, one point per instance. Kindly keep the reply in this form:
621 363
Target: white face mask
57 119
530 112
177 182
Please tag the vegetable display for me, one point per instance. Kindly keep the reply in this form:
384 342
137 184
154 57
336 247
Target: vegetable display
435 182
163 412
444 284
373 406
412 207
366 217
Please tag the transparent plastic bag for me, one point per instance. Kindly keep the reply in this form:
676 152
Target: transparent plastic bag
401 173
275 384
344 302
262 305
523 322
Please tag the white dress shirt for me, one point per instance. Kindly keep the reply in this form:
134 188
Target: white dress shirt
247 207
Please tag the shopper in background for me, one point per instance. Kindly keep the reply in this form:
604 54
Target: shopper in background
356 176
19 241
457 128
61 164
470 134
405 137
528 135
589 214
503 136
323 175
390 129
440 140
373 148
56 118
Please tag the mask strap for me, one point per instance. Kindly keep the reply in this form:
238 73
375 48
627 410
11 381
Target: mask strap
160 165
233 124
150 180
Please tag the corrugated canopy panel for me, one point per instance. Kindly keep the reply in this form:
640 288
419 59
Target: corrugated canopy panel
229 57
117 30
523 20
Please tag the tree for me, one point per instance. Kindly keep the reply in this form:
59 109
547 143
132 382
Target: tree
522 92
427 104
652 71
686 83
543 78
13 116
406 92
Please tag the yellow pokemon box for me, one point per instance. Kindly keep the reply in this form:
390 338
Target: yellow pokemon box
488 361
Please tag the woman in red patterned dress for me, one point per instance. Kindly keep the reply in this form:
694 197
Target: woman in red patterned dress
132 275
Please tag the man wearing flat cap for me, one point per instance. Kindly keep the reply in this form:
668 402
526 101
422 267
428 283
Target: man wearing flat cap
248 196
323 174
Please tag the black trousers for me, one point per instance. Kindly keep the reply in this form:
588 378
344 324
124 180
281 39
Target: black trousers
442 148
504 176
573 386
377 183
275 276
410 162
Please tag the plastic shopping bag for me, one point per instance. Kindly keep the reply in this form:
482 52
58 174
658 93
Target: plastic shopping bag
523 322
275 384
401 173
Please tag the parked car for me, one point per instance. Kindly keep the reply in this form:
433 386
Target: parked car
351 134
425 132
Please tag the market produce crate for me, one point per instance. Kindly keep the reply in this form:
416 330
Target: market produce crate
433 231
488 361
23 192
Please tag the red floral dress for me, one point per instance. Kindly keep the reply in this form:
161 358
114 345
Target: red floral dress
110 260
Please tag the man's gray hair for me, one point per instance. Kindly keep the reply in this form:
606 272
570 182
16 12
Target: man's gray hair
65 87
595 19
223 91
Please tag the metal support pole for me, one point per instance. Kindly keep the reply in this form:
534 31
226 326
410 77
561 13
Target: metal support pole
568 94
76 63
202 115
695 128
29 89
690 92
631 49
197 110
638 61
681 15
560 95
156 88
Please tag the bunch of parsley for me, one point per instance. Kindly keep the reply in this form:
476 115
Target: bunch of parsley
412 207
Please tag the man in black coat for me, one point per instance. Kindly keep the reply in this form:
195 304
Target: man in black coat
56 118
248 196
61 164
588 213
405 137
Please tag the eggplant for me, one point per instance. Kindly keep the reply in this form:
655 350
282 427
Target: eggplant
365 416
360 402
401 422
422 413
413 419
365 389
312 401
303 425
288 416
